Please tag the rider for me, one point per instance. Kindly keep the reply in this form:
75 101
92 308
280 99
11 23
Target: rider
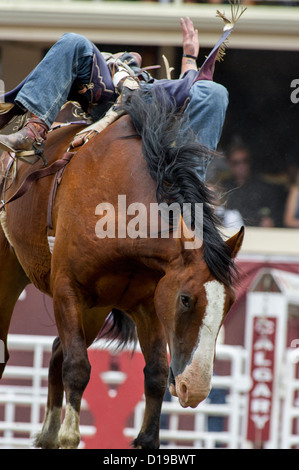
74 69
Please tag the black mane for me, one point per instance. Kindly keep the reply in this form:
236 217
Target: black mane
172 155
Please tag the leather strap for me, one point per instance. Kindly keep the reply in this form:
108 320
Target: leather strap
3 181
57 180
43 172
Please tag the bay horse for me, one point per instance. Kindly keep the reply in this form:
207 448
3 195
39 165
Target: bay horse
168 294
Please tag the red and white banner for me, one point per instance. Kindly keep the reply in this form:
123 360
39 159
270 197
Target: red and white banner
262 375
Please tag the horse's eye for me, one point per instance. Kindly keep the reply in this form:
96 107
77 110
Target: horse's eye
186 302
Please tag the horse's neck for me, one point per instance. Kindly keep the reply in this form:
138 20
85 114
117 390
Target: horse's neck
160 254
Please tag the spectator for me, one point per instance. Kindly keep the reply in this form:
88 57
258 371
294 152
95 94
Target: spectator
259 203
291 213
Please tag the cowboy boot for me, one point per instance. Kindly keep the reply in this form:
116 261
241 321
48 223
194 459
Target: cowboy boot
27 141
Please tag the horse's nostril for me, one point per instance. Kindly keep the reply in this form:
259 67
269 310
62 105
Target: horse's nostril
184 390
183 394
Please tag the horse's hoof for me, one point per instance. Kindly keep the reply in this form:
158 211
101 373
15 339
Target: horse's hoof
69 441
45 441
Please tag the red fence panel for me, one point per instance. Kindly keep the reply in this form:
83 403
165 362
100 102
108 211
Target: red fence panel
111 411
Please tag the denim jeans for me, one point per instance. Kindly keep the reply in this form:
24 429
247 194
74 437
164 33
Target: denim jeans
48 86
206 112
207 109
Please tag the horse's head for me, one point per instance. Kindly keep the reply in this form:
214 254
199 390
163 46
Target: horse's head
192 304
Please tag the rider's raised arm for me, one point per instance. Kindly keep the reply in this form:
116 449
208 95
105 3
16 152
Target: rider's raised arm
190 45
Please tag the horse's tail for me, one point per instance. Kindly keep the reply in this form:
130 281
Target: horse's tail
121 328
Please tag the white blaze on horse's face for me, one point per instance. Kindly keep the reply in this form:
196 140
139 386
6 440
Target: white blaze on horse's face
194 383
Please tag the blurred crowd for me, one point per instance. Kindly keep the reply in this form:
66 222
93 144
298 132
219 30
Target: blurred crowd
251 199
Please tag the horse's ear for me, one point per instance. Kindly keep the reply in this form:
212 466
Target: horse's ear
235 242
187 238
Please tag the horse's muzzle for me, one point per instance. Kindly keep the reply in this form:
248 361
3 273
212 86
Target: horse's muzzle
189 394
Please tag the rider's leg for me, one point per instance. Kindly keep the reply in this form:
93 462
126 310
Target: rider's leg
48 87
206 110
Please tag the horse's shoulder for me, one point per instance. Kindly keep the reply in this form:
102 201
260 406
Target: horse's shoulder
123 127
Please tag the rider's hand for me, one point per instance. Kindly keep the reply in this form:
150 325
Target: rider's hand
190 37
190 45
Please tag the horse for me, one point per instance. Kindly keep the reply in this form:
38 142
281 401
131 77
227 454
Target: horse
172 297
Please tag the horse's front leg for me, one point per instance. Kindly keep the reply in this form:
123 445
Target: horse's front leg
48 437
68 308
153 345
